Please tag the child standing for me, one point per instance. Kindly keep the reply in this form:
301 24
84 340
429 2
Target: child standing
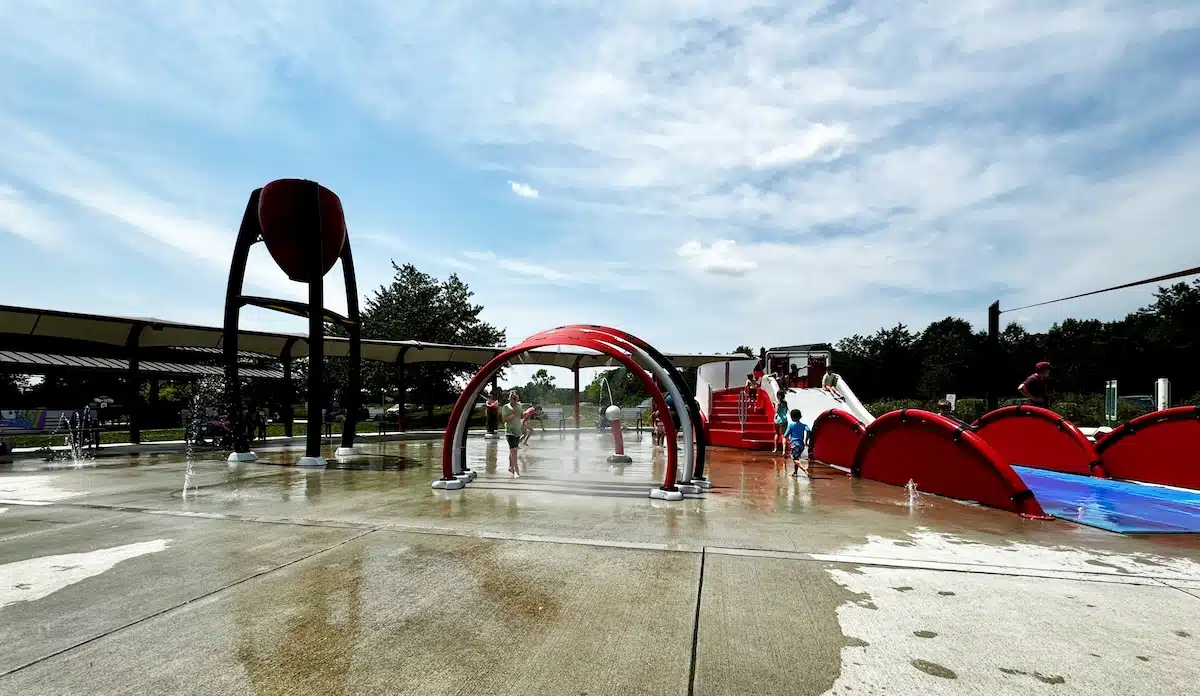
752 388
797 432
781 423
660 430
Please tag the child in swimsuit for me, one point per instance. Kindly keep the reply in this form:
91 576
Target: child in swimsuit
526 426
781 423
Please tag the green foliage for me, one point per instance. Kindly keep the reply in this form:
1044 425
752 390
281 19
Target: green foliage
418 306
626 389
1084 410
950 357
541 390
746 350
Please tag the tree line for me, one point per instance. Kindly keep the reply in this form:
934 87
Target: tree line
950 356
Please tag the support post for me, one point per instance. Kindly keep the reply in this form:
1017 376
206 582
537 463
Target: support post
354 369
133 344
996 366
316 340
575 369
248 234
402 388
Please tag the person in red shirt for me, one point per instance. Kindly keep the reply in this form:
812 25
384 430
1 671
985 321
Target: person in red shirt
1034 388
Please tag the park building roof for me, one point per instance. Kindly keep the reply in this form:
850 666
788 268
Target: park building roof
50 333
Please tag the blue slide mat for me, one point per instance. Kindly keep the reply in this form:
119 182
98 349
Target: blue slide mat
1118 506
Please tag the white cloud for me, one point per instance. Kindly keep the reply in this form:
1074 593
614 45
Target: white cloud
818 140
528 269
523 190
720 258
894 160
24 219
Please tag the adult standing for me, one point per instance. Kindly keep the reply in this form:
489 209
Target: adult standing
760 367
510 413
1034 388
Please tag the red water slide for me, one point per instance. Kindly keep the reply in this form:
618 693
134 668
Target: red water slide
1039 438
942 457
835 437
1160 447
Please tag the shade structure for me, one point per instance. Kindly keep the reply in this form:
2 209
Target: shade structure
117 331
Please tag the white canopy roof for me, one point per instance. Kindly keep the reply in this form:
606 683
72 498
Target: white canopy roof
149 332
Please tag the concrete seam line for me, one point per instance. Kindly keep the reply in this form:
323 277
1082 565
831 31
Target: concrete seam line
945 566
186 602
537 539
696 627
1184 590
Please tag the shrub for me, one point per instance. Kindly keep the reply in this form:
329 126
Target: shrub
879 408
970 410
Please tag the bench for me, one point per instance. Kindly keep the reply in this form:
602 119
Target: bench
553 413
632 415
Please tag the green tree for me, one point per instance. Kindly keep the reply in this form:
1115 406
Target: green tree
747 350
418 306
626 389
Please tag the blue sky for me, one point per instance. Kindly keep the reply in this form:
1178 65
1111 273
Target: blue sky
701 173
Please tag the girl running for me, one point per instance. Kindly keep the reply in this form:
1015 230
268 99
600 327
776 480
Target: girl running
781 423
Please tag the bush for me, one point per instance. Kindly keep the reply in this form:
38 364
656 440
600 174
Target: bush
878 408
970 410
1084 410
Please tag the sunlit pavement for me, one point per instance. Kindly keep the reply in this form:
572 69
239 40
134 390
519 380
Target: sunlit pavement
267 579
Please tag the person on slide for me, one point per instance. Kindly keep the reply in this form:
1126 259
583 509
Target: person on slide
781 423
510 413
797 433
829 383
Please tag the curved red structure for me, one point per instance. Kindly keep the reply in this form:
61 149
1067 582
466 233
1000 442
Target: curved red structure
558 337
835 438
943 457
1039 438
1160 447
697 437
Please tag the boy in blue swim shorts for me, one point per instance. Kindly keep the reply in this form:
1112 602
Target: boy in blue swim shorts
797 433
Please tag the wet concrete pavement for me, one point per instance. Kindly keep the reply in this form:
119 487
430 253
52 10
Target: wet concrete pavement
267 579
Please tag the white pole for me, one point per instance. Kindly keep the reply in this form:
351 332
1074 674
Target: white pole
1162 394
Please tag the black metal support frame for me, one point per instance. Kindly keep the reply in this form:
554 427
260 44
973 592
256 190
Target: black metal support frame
249 234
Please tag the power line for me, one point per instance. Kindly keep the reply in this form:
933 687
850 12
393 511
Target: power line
1169 276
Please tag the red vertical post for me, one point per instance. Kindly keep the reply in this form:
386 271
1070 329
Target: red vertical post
726 374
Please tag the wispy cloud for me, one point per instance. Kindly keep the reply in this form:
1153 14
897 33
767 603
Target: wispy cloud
519 267
523 190
23 218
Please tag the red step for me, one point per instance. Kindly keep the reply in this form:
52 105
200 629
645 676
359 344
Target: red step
725 428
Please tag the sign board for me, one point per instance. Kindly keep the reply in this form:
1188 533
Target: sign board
953 399
29 419
1110 401
1162 394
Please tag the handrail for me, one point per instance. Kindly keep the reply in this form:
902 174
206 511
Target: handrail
743 408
